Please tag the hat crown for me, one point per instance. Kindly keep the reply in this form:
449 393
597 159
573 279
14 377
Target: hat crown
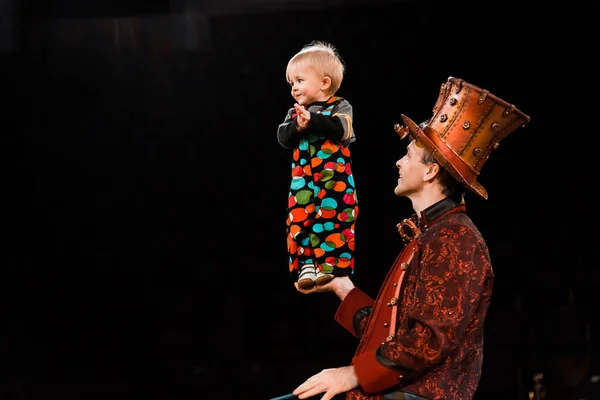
471 121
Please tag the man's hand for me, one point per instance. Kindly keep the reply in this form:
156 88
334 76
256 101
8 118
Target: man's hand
332 381
341 286
302 118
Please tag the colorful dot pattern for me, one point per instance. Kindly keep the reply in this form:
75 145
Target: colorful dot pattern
322 206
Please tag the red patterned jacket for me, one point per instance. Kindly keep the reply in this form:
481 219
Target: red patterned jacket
423 334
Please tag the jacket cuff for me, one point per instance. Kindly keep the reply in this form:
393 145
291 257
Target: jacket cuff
354 301
372 376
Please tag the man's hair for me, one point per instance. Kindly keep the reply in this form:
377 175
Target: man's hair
450 186
325 58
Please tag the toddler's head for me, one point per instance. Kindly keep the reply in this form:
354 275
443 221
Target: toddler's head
323 59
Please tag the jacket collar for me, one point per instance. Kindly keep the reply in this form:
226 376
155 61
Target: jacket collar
413 227
443 207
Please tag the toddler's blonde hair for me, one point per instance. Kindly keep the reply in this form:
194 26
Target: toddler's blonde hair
324 58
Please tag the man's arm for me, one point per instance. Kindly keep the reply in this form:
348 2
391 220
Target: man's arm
356 306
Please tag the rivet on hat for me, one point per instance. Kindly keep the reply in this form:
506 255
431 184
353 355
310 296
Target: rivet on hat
477 151
453 101
483 96
458 85
443 118
510 109
466 124
495 126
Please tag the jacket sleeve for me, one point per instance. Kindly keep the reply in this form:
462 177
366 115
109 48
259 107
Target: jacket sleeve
287 132
336 126
353 312
453 281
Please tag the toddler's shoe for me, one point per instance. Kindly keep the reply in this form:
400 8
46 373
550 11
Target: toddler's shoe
323 279
307 277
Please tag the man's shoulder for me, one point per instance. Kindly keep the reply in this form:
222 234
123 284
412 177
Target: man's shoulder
459 221
457 230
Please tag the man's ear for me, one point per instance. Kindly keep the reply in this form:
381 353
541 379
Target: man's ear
326 84
433 170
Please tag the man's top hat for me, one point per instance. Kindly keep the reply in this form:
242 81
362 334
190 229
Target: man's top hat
467 124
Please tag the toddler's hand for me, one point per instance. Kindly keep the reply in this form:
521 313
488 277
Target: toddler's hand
303 117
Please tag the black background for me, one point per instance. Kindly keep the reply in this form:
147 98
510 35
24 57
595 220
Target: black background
145 190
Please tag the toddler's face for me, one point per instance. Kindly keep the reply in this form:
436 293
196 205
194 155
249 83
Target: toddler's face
307 84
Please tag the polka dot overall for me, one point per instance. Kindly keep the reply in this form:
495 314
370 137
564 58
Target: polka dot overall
322 206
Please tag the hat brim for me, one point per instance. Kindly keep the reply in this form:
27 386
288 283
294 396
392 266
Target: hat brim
425 136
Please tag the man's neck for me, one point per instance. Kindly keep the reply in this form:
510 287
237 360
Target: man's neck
424 200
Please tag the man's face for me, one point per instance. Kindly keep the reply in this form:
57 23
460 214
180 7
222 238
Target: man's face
411 170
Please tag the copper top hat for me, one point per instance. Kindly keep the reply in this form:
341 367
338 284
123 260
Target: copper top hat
467 124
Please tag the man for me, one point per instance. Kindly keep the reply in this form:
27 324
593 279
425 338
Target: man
422 337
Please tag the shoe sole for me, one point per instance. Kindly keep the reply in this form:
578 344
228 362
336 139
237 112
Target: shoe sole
306 283
324 280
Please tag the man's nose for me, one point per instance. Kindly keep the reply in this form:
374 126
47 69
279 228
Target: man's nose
401 162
